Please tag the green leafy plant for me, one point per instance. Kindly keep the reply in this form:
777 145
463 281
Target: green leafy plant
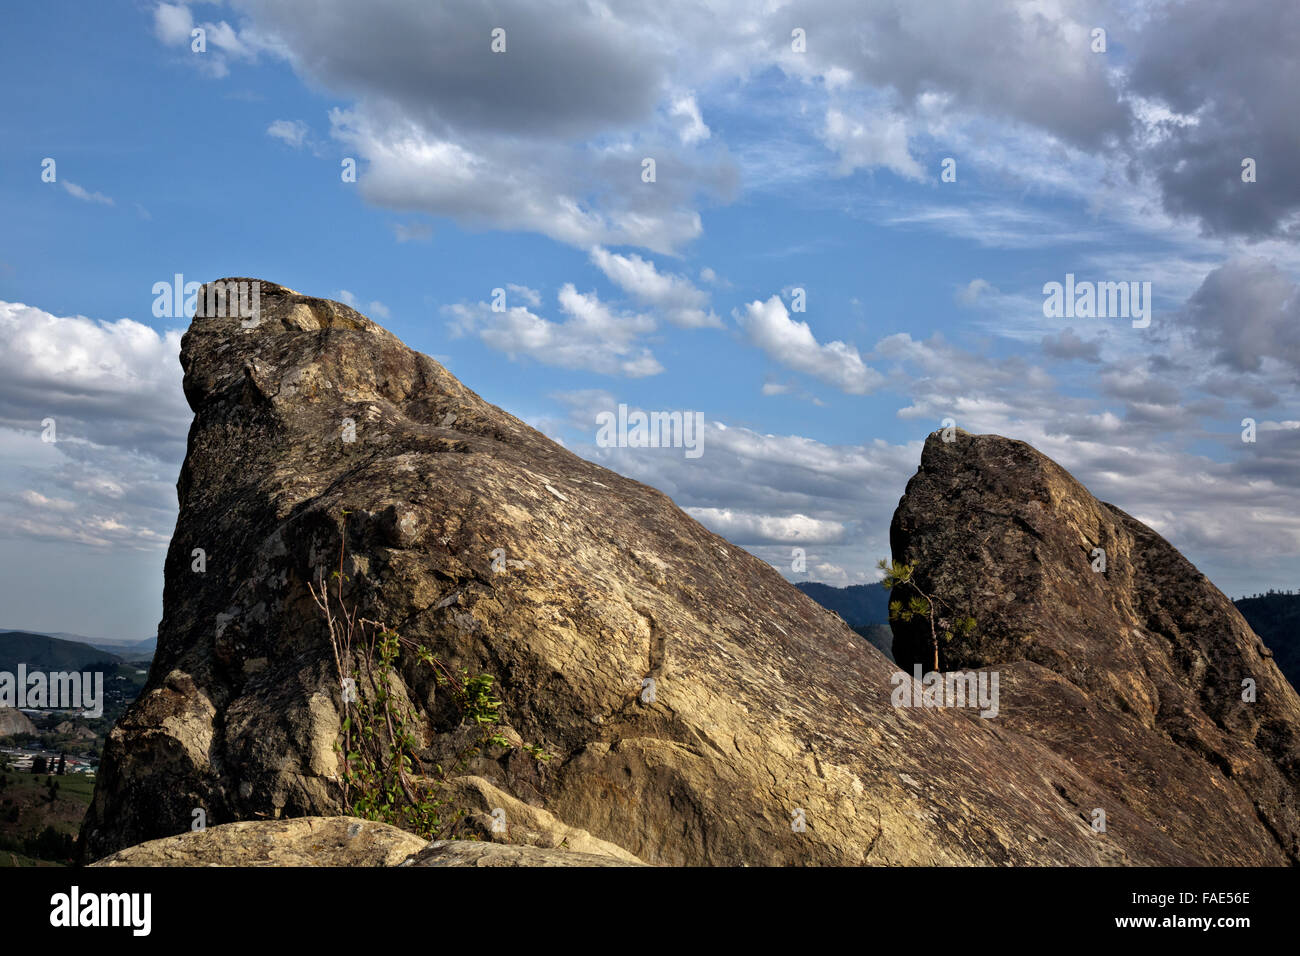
537 753
944 623
480 706
383 777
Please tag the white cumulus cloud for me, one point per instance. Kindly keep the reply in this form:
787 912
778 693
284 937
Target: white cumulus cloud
682 303
792 344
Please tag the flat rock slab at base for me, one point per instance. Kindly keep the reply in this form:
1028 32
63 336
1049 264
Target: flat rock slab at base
470 853
304 841
340 841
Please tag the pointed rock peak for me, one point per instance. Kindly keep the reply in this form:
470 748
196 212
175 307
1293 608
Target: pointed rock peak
1095 621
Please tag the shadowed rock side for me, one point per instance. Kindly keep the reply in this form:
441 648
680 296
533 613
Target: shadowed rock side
1133 674
765 703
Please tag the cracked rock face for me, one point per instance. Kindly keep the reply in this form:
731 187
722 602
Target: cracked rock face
1112 648
770 738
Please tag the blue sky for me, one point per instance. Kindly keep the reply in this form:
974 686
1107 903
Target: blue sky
777 170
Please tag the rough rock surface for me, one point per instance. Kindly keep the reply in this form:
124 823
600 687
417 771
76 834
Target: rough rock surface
468 853
304 841
14 721
344 841
1133 673
521 824
768 708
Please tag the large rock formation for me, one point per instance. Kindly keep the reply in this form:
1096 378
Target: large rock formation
767 710
1112 648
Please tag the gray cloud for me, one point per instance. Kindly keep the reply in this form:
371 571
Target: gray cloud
1067 345
1232 69
526 140
1247 312
434 60
1029 63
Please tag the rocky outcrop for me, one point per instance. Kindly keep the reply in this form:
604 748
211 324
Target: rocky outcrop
14 721
770 737
1112 648
68 728
304 841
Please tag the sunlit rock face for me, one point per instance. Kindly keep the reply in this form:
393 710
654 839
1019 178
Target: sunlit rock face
770 736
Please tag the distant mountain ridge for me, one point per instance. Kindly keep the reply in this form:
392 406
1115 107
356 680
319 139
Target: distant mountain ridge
42 652
126 650
859 604
1275 617
864 607
135 651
